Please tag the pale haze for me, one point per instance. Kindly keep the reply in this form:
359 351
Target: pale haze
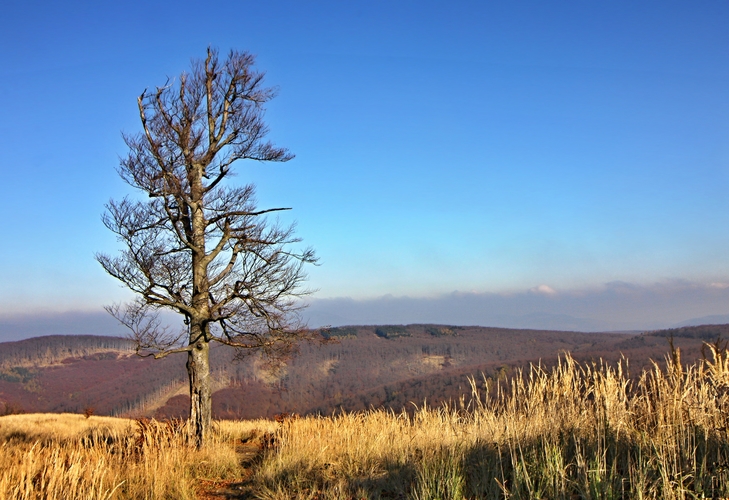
528 164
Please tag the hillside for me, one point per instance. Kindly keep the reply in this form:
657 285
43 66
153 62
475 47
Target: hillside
60 373
380 366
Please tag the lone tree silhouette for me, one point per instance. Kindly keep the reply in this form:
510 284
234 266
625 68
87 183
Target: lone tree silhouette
195 245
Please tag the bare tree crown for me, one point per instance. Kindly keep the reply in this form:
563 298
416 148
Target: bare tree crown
196 245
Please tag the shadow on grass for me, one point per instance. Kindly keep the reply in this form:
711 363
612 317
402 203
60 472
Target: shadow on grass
563 466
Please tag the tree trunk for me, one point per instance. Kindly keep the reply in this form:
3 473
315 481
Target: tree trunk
198 368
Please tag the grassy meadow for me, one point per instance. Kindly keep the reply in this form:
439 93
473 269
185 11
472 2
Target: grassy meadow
574 431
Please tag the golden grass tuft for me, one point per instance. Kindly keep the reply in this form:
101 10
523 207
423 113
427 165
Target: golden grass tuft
576 431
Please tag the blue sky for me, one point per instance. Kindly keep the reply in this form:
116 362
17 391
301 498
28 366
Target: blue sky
483 148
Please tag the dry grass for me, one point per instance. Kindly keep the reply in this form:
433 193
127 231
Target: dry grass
573 432
71 457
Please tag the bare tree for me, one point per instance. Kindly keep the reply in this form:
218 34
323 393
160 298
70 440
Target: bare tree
195 245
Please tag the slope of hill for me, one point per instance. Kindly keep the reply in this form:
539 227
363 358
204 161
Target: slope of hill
390 366
62 373
51 349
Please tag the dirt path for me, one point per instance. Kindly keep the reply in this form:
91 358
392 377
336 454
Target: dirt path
247 451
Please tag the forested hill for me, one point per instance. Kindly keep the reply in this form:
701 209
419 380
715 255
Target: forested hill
50 349
390 366
708 333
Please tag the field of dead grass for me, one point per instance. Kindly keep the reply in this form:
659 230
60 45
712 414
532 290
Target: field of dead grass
571 432
65 456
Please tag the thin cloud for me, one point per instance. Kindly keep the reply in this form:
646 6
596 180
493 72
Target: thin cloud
615 305
22 326
543 289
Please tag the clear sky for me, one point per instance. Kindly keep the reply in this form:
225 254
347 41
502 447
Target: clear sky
443 149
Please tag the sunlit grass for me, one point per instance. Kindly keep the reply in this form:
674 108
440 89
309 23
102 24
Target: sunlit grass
50 456
576 431
571 432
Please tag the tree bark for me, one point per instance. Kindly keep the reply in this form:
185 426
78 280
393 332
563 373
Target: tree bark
198 369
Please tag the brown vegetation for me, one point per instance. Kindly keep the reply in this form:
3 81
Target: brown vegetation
575 431
431 363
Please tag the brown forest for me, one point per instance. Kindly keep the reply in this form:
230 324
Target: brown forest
368 366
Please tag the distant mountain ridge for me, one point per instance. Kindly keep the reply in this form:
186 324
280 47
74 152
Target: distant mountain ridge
715 319
536 321
20 327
